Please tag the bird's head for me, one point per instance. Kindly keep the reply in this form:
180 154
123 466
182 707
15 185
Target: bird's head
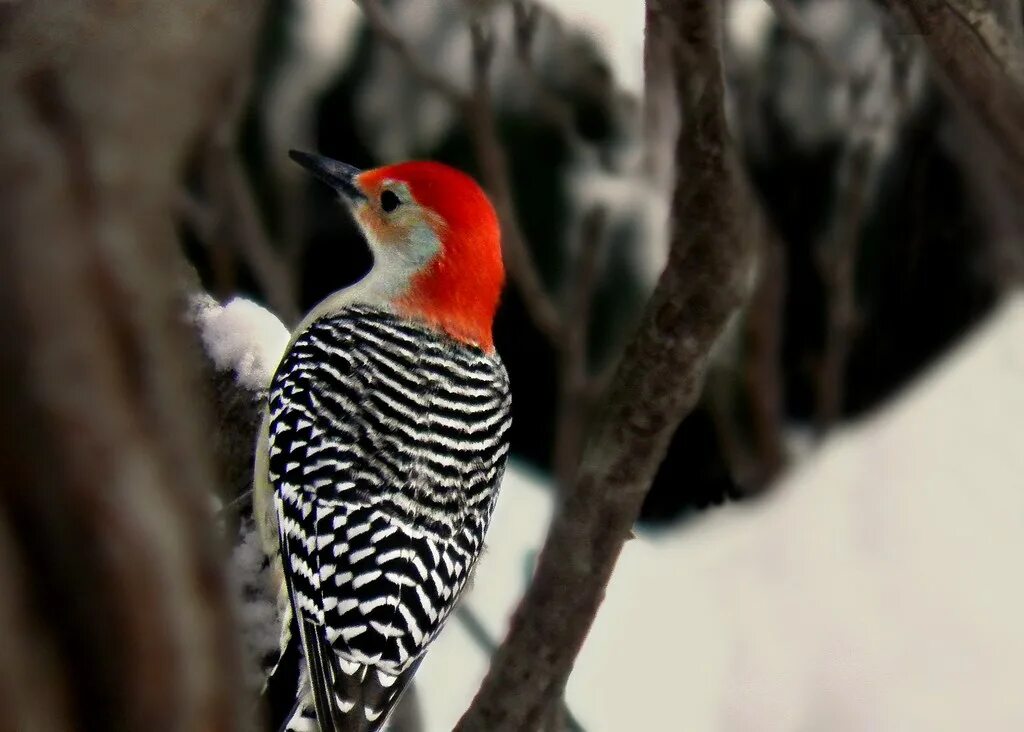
435 242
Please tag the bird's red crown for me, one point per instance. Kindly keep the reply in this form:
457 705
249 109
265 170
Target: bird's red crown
459 289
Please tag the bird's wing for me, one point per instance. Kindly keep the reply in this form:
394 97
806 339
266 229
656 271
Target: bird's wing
386 450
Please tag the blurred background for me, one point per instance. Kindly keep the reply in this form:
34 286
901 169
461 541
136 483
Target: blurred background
886 235
833 539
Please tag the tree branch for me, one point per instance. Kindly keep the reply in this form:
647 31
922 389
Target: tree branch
839 252
975 70
385 31
239 226
526 17
657 383
792 21
229 221
762 375
117 567
838 261
574 393
478 115
999 40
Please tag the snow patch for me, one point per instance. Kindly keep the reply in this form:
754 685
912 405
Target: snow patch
242 336
618 28
250 577
628 196
748 27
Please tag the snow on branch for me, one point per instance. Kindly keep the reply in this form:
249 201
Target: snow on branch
242 337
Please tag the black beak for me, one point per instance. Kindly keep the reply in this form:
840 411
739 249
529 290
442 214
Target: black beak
339 176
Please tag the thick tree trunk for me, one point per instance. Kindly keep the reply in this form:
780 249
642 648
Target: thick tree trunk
114 605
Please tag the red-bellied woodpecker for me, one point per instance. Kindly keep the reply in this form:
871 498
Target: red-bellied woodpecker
385 441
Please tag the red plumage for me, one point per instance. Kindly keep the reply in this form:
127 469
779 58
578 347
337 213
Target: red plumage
459 291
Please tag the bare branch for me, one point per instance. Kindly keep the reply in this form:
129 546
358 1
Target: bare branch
478 115
1001 42
490 156
974 70
660 112
792 21
657 383
838 253
387 34
1010 14
744 395
238 503
474 626
526 14
838 259
574 392
762 372
239 225
229 221
407 716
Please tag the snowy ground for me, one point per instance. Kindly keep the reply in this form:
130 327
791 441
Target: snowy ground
877 588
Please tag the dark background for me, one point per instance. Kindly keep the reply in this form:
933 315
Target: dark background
924 268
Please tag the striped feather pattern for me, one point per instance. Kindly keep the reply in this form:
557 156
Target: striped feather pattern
387 444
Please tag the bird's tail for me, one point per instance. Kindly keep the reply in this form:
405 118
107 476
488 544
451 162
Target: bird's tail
371 694
345 696
322 669
282 691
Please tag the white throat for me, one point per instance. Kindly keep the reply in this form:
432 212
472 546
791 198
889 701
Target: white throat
394 266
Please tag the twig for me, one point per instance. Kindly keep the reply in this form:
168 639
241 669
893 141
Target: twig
657 383
234 504
762 371
792 21
238 224
408 716
230 221
387 34
998 40
971 70
490 156
660 114
473 625
838 254
477 113
838 261
574 379
526 17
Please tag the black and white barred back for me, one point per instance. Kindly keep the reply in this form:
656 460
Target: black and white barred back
387 446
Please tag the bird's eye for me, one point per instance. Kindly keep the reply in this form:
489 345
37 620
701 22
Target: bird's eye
389 201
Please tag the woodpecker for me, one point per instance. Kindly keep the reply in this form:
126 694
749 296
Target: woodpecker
384 442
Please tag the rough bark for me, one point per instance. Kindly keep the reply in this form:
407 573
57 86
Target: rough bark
982 64
116 610
660 113
1010 14
657 383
